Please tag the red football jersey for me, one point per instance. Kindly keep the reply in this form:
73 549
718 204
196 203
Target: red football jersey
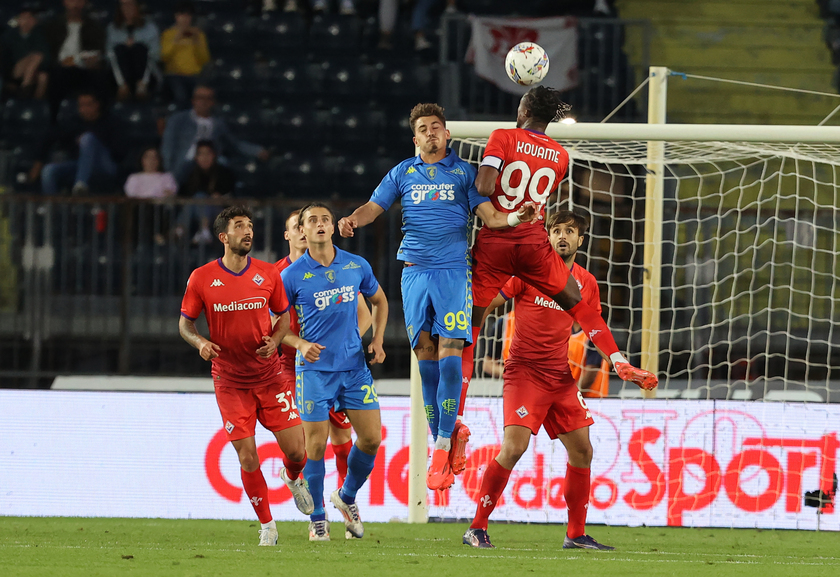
542 329
531 166
287 359
236 307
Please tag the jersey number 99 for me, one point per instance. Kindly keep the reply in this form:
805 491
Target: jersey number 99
528 182
451 320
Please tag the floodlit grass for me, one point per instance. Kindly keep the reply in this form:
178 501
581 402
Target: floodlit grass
91 547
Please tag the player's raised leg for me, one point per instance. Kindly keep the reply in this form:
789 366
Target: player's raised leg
576 490
293 446
493 483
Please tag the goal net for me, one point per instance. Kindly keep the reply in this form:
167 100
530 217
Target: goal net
745 308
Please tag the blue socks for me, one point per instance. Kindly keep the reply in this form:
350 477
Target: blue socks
449 394
430 377
359 466
314 473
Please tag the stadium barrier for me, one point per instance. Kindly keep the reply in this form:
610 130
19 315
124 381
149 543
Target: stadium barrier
668 462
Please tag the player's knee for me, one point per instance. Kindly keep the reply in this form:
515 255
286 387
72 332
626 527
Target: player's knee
249 461
581 456
369 443
513 451
296 453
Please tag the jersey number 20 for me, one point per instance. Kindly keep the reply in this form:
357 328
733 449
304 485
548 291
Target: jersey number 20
528 182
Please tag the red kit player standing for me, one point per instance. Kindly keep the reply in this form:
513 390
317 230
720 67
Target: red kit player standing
236 293
540 390
522 164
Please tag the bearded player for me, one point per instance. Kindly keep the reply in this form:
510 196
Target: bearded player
340 428
522 165
236 293
539 390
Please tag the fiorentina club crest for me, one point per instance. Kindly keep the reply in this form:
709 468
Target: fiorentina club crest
522 412
229 427
258 279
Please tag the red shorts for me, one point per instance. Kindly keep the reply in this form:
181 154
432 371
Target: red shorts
339 419
536 264
273 405
534 397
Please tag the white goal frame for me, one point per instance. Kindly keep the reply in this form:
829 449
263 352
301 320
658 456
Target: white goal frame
656 132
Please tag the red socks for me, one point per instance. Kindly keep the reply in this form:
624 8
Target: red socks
467 367
576 492
492 486
341 454
294 468
594 327
257 491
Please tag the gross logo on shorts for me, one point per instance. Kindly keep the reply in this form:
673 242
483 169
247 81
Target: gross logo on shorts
323 299
421 192
522 412
229 427
330 274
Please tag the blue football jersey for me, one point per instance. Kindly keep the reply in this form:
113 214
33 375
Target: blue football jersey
324 298
437 201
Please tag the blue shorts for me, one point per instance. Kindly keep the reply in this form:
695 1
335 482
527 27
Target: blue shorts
438 301
317 392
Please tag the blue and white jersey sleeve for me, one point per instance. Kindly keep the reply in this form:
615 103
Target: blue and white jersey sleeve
368 285
388 191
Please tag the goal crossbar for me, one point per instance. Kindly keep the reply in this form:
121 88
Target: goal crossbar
666 132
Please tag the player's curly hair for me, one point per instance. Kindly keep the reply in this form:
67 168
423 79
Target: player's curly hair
545 104
311 205
220 225
425 109
568 217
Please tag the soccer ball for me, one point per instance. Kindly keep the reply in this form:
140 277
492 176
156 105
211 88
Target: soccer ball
526 63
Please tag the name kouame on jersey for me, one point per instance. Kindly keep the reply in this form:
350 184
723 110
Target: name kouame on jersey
326 307
542 328
437 201
236 306
531 166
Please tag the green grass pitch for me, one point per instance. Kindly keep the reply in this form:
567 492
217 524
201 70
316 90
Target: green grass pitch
91 547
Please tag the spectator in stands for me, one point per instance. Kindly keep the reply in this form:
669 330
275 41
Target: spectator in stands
185 129
345 7
151 182
25 55
133 47
77 46
91 141
183 49
421 21
207 179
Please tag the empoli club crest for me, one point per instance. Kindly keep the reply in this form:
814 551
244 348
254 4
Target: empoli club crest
330 274
431 171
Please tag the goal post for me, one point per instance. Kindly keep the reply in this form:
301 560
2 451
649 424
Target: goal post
746 246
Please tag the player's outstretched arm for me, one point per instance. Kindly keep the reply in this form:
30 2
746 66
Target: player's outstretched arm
379 302
362 216
485 181
207 349
310 351
495 220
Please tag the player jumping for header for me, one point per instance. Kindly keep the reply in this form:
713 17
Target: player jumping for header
330 365
236 293
437 192
540 390
522 164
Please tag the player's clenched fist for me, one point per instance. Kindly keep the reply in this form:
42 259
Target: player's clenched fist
346 226
528 212
209 350
378 353
310 351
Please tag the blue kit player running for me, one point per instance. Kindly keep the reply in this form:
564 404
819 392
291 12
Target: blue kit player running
330 368
437 192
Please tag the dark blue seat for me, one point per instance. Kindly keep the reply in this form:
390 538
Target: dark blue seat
25 120
405 79
346 77
276 35
359 125
138 121
331 34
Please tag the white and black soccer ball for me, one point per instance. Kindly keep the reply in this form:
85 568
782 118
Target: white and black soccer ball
526 63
